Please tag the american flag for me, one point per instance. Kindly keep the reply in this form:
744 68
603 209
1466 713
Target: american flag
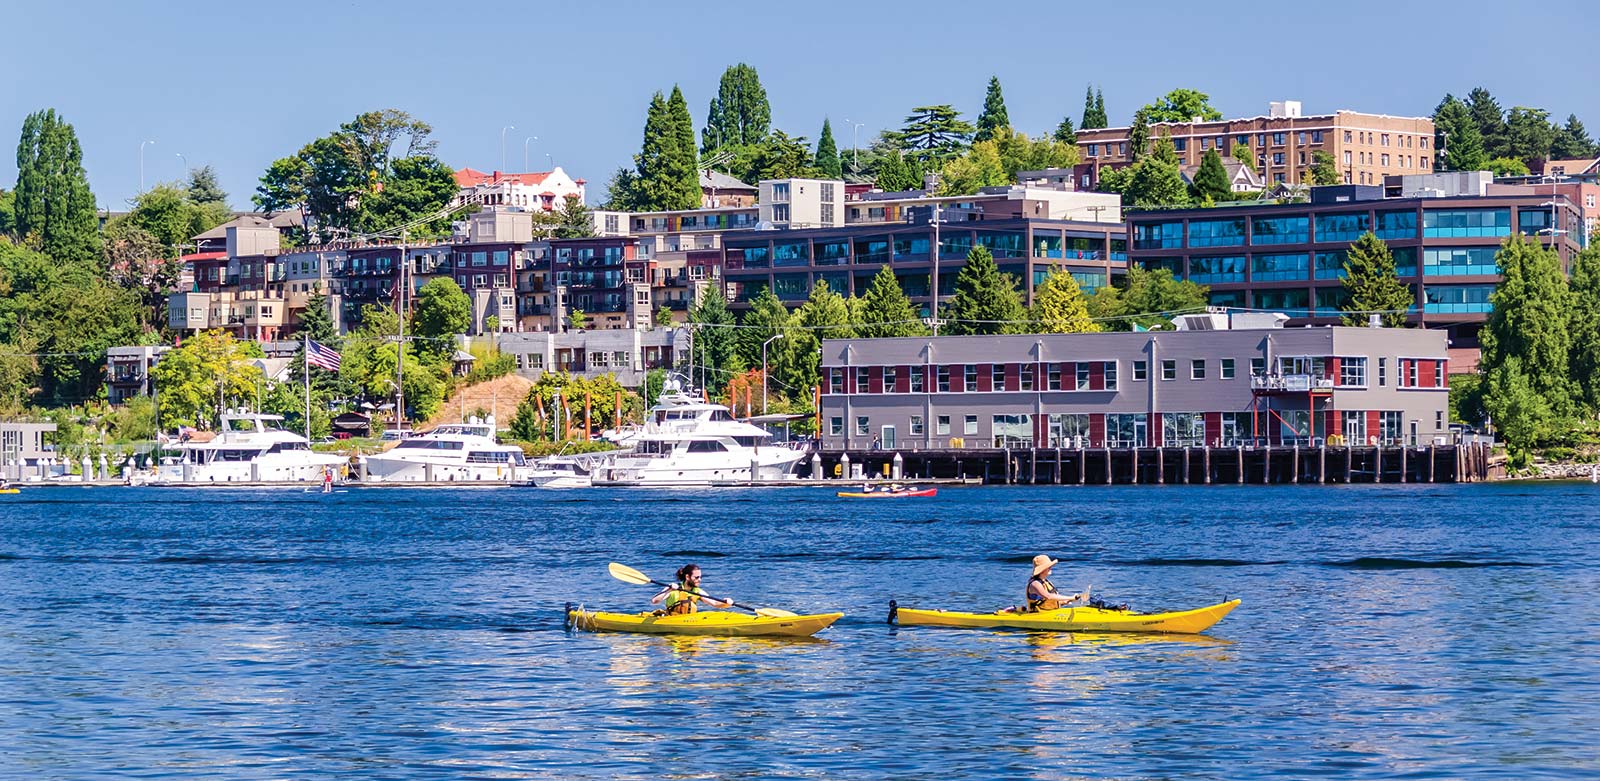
322 356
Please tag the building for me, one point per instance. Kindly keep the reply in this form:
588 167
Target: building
534 192
1241 178
719 190
23 453
1366 147
1215 386
628 354
1290 257
128 372
802 203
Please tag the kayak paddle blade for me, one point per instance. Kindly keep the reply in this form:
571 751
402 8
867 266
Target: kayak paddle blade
772 612
628 574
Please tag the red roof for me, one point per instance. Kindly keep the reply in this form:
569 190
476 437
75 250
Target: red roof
471 177
218 255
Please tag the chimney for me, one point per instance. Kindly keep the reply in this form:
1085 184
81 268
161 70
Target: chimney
1374 321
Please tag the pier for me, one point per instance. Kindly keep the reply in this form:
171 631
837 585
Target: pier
1238 465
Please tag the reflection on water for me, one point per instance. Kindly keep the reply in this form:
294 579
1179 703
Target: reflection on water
1384 633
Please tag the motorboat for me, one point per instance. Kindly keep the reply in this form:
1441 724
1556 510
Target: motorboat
561 472
249 448
450 452
690 441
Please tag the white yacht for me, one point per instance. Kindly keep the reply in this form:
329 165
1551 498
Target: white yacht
688 441
250 447
561 472
451 452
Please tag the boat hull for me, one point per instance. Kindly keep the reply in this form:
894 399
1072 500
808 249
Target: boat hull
887 494
395 470
705 623
1070 619
562 481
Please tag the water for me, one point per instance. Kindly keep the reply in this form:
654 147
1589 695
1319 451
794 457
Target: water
1386 632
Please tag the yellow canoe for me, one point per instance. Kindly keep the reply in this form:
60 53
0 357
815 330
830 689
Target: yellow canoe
1070 619
716 623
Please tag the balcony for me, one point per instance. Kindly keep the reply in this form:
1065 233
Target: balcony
1264 384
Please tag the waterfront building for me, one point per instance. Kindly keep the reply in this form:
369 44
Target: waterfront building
1365 147
627 353
1218 381
23 451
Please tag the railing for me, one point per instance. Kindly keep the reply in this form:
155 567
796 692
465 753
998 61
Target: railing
1290 383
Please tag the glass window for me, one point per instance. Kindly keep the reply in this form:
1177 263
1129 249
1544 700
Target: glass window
1214 233
1330 265
944 379
1002 245
1197 369
1287 301
791 286
1353 372
971 377
1126 430
1331 300
755 257
1457 299
1456 261
1267 268
863 379
890 375
1183 429
1531 222
1405 261
834 253
918 377
969 425
1013 430
955 245
1068 430
836 380
1081 381
863 426
1225 369
1111 375
908 248
835 425
1219 269
1258 367
916 425
941 425
1053 376
1342 227
1169 369
1025 375
1280 230
997 376
790 254
1141 371
1466 223
1160 235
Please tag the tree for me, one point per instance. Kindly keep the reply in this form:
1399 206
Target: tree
52 204
885 311
1157 181
825 315
1094 110
1059 306
442 312
1064 132
827 159
662 317
577 319
986 302
766 318
1584 325
166 213
781 157
1324 169
739 114
137 262
993 120
1211 181
934 133
1526 340
896 175
1491 122
1149 298
980 167
668 175
574 221
1572 141
316 320
208 373
558 395
204 189
1242 153
685 170
1529 134
1372 284
715 341
8 212
1457 134
1182 105
415 188
1139 137
622 192
1018 152
1507 166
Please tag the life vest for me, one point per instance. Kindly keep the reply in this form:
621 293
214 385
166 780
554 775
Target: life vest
1037 603
681 599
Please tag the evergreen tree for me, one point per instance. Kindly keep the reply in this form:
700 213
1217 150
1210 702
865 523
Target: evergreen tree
1324 170
766 318
574 220
993 121
1572 141
1529 134
652 185
1211 181
933 134
1149 298
895 174
1372 284
1100 109
204 189
1064 132
1059 306
1584 357
825 315
740 114
1527 330
1491 122
885 311
827 161
1157 181
1456 133
52 201
316 320
986 302
781 157
685 169
1138 137
715 345
1088 120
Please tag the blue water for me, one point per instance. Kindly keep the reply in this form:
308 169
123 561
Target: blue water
1386 632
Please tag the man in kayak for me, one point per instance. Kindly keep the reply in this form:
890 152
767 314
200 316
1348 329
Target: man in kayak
1041 593
680 598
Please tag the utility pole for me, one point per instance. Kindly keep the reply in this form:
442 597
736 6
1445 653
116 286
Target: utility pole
400 342
934 309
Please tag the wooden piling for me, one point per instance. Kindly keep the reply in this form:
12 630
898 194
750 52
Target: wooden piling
1405 466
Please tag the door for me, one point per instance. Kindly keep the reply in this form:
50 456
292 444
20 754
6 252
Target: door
1355 428
888 438
1140 432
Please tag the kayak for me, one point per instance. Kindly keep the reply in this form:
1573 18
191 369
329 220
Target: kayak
718 623
1070 619
10 490
886 494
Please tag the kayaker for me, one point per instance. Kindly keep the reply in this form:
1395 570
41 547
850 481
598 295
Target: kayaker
1041 593
680 598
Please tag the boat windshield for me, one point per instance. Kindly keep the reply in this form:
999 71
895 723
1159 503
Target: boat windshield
416 443
281 447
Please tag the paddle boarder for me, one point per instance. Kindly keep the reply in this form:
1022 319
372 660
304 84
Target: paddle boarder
1041 593
680 598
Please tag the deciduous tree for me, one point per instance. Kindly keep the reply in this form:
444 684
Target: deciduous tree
1182 105
52 204
1059 306
1324 170
208 373
442 312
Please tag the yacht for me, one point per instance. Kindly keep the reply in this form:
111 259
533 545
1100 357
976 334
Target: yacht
250 447
451 452
561 472
688 441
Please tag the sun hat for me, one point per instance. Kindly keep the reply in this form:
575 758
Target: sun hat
1042 562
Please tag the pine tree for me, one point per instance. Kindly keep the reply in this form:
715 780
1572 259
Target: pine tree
1138 137
986 301
934 134
1457 135
684 173
1059 306
827 159
1088 121
52 201
1491 122
1100 109
1064 132
766 318
1584 357
994 120
204 189
825 315
715 346
1372 284
895 174
885 311
740 114
1211 181
1572 141
653 185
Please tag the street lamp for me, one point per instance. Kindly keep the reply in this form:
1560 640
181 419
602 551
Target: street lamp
775 337
855 143
141 163
503 145
525 150
938 217
184 162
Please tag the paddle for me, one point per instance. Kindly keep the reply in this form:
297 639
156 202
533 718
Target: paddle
630 575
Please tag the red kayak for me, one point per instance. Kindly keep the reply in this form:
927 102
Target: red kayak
887 494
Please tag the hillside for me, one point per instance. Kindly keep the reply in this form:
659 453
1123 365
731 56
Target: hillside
499 396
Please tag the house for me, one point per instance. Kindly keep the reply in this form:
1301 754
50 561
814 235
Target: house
1579 167
718 189
534 191
1241 178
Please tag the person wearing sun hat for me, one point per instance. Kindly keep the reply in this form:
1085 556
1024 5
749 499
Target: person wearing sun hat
1041 593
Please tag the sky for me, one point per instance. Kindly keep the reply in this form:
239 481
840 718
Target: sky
236 85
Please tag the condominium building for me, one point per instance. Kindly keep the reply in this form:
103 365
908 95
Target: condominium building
1365 147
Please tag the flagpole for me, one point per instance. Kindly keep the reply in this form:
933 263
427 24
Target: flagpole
307 349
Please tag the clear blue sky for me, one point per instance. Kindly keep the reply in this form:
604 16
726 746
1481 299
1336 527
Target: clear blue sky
238 85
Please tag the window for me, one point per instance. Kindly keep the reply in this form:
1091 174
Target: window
1213 270
1013 430
1438 374
1466 223
1383 160
1067 430
1457 299
1197 369
1397 225
1225 369
1353 372
1389 422
836 380
1094 150
1342 227
918 375
1025 375
971 378
1169 369
1183 429
943 374
1457 261
1111 375
1280 230
1277 158
1258 367
1266 268
1383 140
1163 235
863 379
1126 430
1211 233
1140 371
1277 139
835 426
1053 377
1082 380
941 425
997 376
969 425
1180 144
916 425
889 377
863 427
1383 371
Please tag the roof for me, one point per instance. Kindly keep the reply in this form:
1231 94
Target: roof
1230 165
471 177
1572 167
721 181
279 220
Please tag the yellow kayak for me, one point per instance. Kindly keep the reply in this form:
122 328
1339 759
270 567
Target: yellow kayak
1070 619
718 623
10 490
